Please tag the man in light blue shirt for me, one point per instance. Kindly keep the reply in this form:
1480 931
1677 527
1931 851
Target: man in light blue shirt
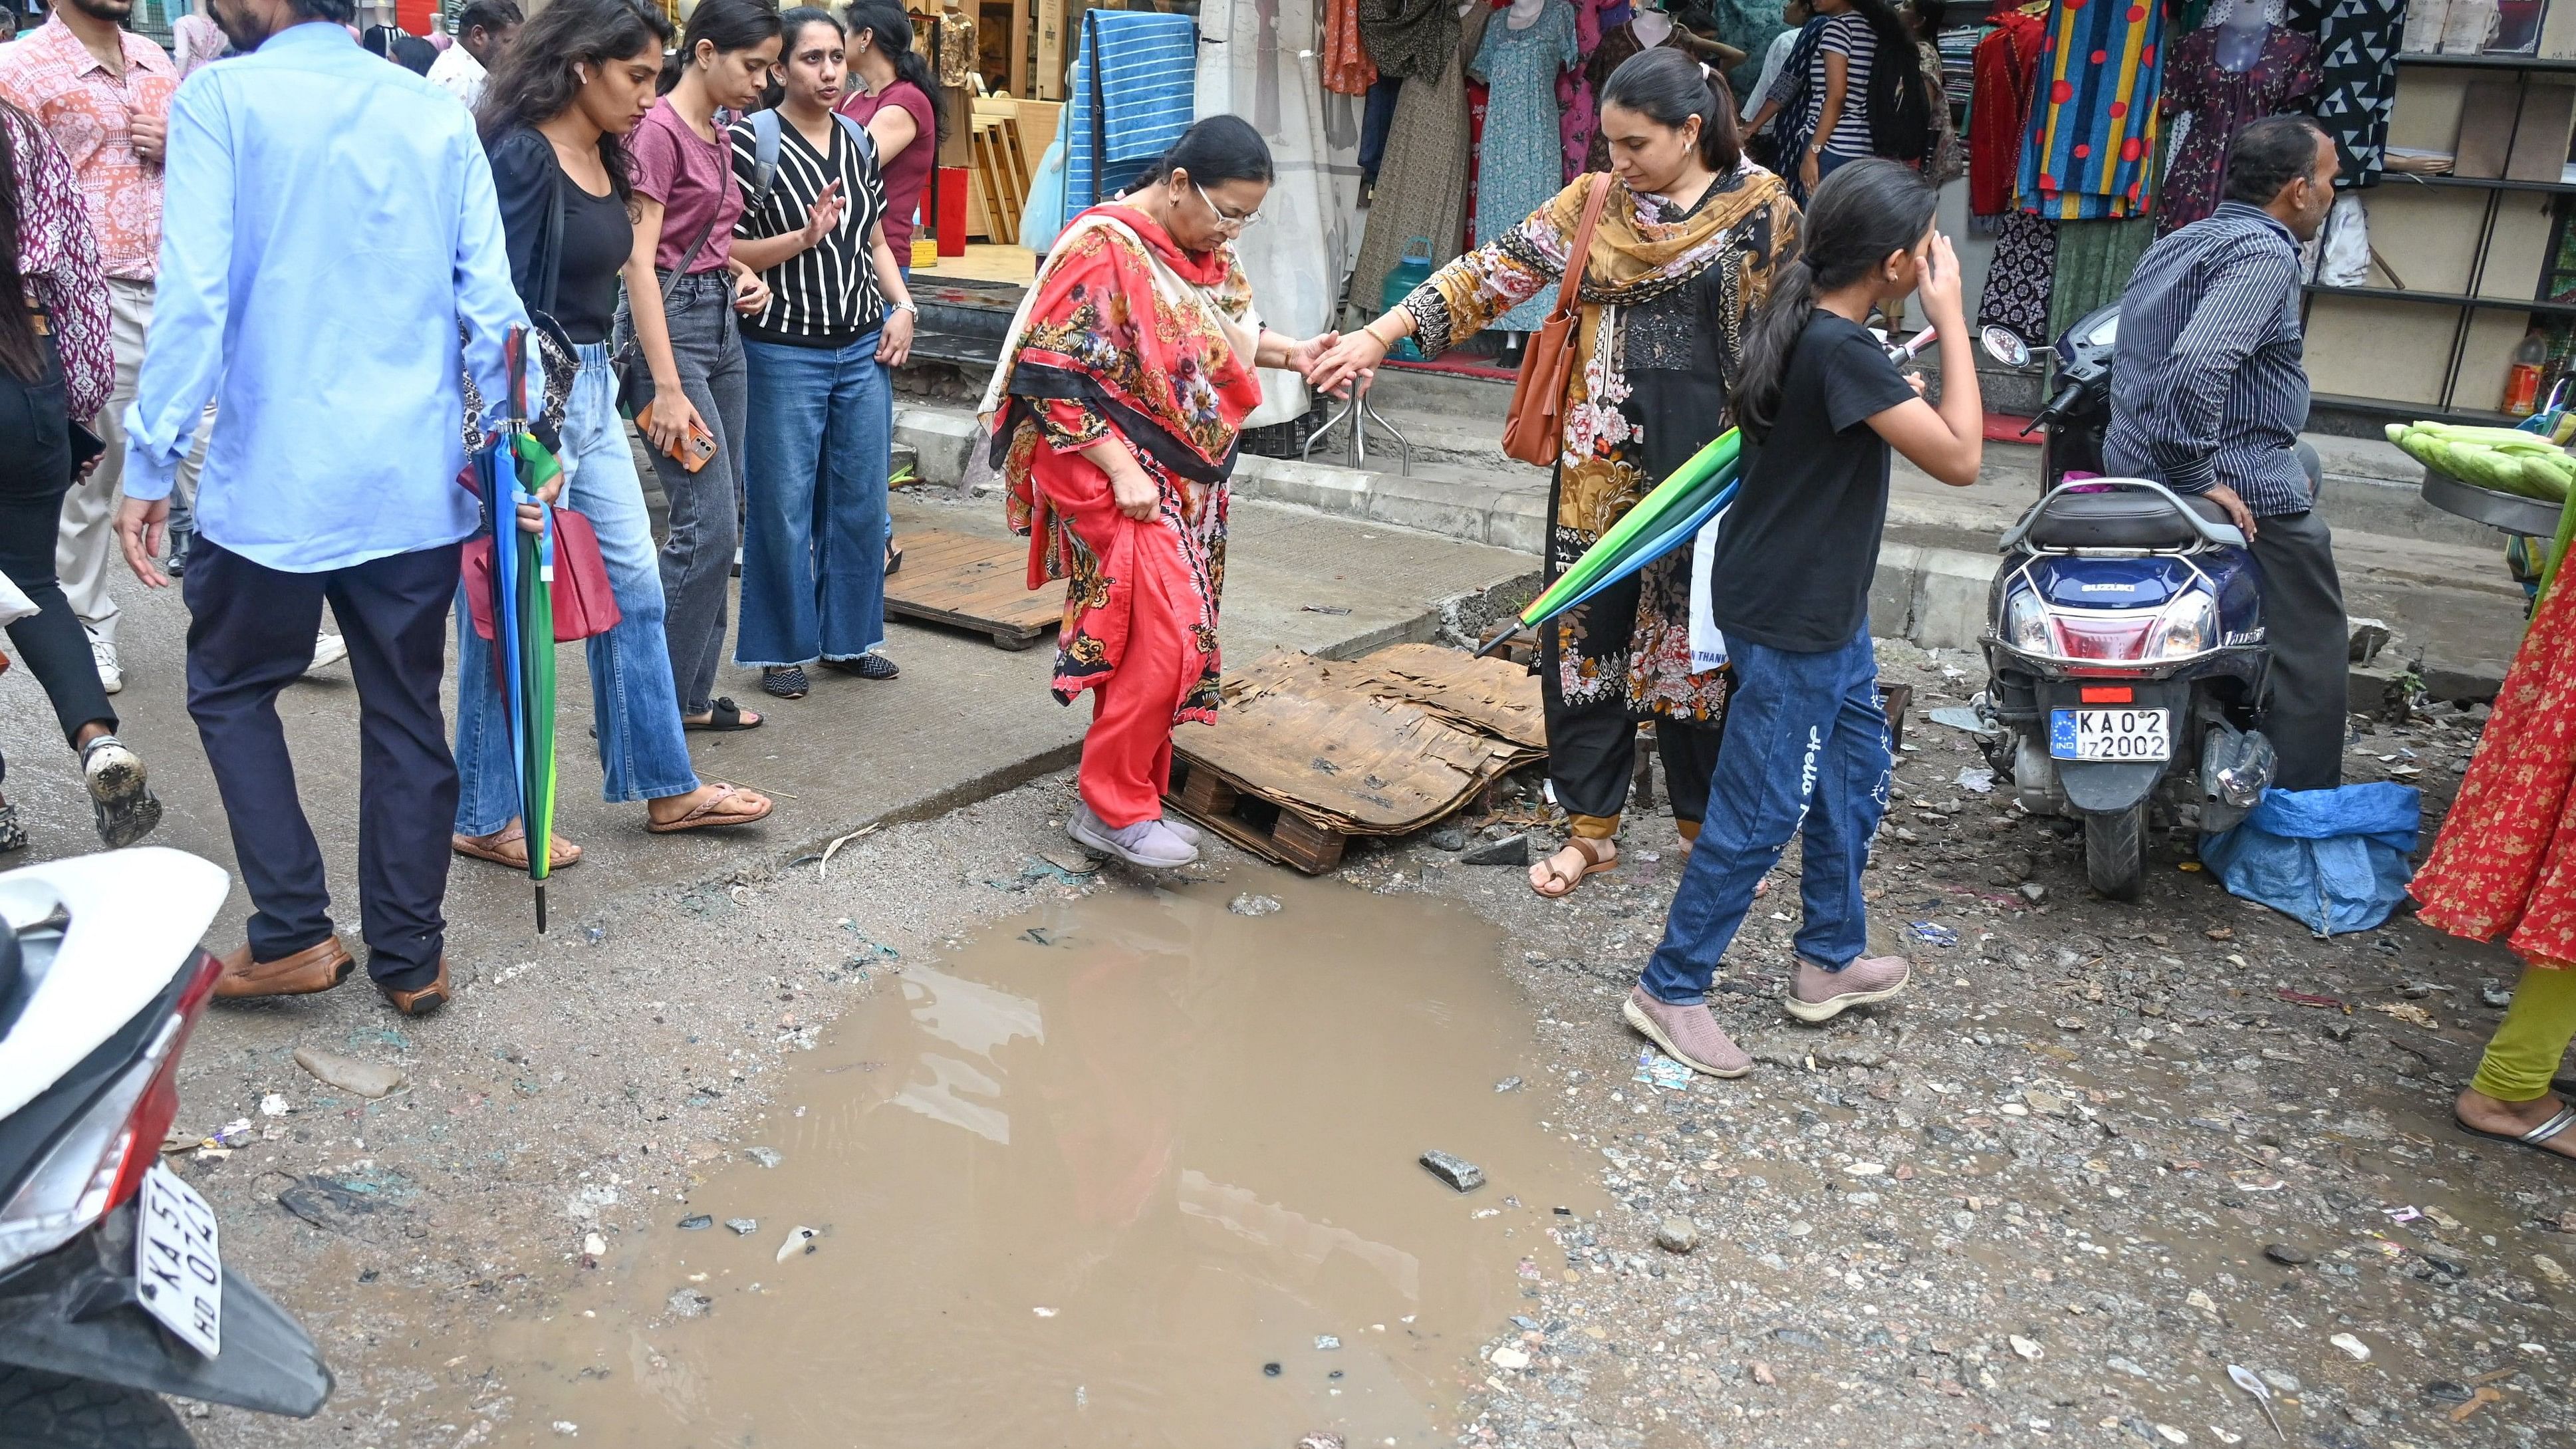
328 223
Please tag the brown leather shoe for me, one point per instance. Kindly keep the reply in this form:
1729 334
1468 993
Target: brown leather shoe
317 967
423 1001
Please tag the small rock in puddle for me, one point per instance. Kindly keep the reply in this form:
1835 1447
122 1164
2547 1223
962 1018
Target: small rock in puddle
745 1227
1458 1172
690 1303
765 1156
694 1221
1252 905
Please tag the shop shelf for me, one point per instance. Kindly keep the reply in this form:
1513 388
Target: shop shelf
2486 61
2446 299
2476 183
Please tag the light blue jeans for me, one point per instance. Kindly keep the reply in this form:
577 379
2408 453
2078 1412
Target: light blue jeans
814 503
636 710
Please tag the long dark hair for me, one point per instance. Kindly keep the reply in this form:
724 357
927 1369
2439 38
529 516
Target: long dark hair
19 351
1667 87
1900 113
726 24
890 33
1863 212
1217 149
534 81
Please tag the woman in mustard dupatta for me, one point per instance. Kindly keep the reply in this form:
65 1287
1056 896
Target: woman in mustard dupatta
1115 412
1685 249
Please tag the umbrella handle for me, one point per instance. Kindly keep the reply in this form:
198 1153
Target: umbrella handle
1502 636
514 353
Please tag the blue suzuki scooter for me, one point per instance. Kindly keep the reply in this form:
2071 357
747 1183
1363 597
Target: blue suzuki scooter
2126 647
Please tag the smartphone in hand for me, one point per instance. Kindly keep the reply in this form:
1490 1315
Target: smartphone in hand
695 448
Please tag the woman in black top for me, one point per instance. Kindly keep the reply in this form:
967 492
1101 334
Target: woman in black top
553 115
1806 749
821 423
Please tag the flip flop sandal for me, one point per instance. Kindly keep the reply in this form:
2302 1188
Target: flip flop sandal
724 718
894 561
2559 1121
709 817
512 850
787 683
1593 865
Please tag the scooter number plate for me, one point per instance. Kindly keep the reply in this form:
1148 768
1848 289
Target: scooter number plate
2116 735
178 1266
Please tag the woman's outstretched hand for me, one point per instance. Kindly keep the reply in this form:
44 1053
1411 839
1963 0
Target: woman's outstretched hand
1302 356
1351 358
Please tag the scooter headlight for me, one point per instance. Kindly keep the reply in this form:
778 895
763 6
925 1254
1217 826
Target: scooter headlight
2026 624
2188 626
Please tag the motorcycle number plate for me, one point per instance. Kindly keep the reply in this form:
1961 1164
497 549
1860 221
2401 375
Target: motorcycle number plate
178 1267
2116 735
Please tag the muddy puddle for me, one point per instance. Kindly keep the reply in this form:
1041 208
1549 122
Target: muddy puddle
1127 1170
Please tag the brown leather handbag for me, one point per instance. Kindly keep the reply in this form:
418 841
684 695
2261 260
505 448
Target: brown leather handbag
1535 431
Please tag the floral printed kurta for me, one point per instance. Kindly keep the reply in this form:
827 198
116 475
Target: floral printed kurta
1519 161
1668 293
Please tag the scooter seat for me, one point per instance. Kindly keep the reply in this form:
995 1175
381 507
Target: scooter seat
2118 518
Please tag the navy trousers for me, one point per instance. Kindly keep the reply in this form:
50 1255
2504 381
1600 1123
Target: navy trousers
251 635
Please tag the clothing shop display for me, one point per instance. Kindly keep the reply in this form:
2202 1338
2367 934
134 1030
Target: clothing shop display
1577 109
1666 292
1409 39
1422 185
2091 140
2006 77
1751 26
956 49
2357 57
1129 98
2094 261
1518 167
1617 45
2021 276
2219 103
1947 160
1345 67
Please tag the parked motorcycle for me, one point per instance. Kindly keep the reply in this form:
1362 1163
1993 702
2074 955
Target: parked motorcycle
2126 645
112 1284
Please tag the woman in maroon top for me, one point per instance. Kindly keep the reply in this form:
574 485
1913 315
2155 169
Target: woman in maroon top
892 98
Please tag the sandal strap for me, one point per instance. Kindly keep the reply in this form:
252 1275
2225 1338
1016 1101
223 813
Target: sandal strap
2565 1118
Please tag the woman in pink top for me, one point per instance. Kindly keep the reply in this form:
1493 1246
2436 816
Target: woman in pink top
893 99
682 291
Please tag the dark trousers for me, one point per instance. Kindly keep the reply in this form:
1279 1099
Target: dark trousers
1377 119
2310 644
35 473
250 636
1592 743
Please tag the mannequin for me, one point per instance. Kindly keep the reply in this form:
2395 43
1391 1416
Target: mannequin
2218 79
1520 165
2240 37
1652 25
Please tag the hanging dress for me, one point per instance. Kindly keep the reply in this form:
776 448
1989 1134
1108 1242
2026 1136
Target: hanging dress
2220 103
1519 169
2092 135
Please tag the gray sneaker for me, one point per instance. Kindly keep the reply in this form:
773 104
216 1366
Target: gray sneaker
1188 833
1817 995
1688 1034
1147 844
122 800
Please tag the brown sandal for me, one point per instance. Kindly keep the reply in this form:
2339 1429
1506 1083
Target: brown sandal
510 848
711 814
1594 862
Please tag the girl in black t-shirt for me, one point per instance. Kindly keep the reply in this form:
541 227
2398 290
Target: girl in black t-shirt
1805 751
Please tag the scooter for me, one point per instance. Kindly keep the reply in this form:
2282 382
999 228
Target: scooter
112 1284
2126 645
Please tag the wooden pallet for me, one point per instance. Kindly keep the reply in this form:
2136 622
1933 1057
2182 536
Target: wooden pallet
972 582
1288 837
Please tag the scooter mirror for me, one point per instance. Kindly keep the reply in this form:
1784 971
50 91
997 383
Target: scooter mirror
2006 347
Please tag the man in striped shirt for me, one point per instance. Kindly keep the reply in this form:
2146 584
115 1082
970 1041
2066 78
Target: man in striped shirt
2208 396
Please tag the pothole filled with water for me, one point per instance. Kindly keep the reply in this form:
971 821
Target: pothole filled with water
1129 1170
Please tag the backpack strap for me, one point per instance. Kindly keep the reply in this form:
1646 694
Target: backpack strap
764 157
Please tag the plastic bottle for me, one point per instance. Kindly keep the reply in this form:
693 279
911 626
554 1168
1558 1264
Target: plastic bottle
1410 271
2522 381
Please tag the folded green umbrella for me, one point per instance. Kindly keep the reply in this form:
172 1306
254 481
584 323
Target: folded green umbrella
1644 534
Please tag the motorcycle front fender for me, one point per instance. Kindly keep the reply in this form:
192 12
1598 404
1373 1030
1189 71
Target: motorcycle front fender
74 1311
2104 787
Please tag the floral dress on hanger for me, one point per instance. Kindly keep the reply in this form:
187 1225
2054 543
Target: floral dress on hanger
2220 103
1520 167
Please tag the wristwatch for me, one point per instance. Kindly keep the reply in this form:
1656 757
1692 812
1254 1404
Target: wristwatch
906 305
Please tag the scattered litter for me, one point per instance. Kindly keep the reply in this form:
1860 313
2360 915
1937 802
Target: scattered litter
1458 1172
1959 717
2494 995
823 870
593 1246
1326 1343
2359 1350
2404 1011
596 935
1676 1235
567 1428
2245 1380
1252 905
272 1105
2172 1435
1270 1371
799 1240
2026 1349
743 1227
232 1134
1510 850
367 1079
2403 1214
2305 998
1657 1070
1072 862
1933 935
765 1156
1320 1439
696 1222
689 1303
1049 869
1977 781
2484 1396
1508 1084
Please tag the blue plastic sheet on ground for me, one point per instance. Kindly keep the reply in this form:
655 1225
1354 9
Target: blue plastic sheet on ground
2335 860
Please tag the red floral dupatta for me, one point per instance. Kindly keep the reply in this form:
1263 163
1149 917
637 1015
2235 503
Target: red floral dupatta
1125 335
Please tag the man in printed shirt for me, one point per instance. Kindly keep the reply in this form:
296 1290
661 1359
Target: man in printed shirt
331 229
483 33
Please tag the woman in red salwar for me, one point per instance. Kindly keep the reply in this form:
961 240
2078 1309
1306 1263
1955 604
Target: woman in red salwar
1115 411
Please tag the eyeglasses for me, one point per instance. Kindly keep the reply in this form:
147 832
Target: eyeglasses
1232 225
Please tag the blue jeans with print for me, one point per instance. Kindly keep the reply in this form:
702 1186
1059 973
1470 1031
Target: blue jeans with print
814 494
1805 754
636 710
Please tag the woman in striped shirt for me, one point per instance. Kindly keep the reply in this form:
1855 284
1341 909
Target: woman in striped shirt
822 407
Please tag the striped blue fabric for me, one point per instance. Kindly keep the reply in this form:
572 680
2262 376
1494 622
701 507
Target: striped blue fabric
1131 93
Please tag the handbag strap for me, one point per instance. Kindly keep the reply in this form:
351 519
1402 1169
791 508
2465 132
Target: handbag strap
1577 259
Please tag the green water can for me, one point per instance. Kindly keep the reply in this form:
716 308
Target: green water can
1410 271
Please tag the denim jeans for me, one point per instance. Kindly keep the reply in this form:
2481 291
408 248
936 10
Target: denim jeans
1805 754
813 557
631 699
697 558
